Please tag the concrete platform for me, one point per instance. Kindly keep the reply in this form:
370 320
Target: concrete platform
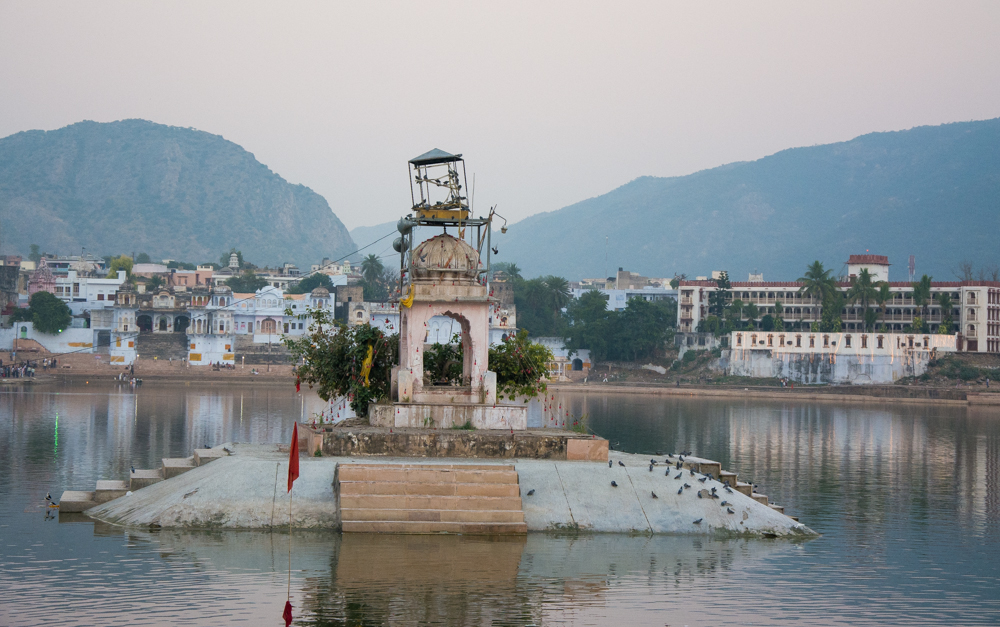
446 416
143 478
247 491
204 455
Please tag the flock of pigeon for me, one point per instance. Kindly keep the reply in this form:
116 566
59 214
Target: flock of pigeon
679 467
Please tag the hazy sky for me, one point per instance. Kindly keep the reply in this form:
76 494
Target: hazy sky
551 102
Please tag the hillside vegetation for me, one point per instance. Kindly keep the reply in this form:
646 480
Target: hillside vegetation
933 192
172 192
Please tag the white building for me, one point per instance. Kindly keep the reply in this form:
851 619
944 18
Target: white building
618 298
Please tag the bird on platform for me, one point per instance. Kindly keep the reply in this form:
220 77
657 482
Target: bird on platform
610 463
713 489
652 462
680 490
650 468
531 491
730 510
654 495
715 496
681 457
698 522
691 470
614 485
700 496
667 474
621 463
679 475
228 452
132 468
724 503
703 479
687 487
728 490
678 465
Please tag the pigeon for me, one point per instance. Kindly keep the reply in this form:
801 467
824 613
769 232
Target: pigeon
610 463
680 490
728 490
691 470
614 485
654 495
531 491
713 489
698 522
699 495
703 479
679 475
730 510
714 495
678 465
621 463
495 251
681 457
667 474
132 468
650 468
723 504
687 487
228 452
652 462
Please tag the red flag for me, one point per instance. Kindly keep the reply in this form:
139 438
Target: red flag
298 384
293 460
287 614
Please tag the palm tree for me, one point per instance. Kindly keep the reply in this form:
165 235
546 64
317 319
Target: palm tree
863 291
883 297
922 295
371 269
736 309
944 300
817 283
558 291
752 312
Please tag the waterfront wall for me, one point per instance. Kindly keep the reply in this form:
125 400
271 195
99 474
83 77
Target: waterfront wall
69 341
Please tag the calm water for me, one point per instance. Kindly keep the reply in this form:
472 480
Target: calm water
904 495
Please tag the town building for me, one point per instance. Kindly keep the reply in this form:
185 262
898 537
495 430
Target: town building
625 286
975 313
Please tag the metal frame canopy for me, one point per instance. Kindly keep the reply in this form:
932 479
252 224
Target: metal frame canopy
436 191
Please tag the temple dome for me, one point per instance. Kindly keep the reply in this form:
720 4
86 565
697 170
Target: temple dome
445 257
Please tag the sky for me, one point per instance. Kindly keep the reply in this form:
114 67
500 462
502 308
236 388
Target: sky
550 102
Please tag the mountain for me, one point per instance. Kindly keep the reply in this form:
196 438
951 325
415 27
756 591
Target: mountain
933 192
178 193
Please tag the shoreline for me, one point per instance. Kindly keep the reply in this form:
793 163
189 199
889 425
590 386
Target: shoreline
853 394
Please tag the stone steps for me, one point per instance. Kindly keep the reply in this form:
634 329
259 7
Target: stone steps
422 498
108 490
744 488
760 498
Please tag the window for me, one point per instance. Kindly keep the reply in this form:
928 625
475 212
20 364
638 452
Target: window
847 341
927 341
770 340
864 341
361 315
739 339
812 341
798 341
100 297
826 341
880 341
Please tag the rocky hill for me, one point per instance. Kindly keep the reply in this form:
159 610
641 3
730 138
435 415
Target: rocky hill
933 192
172 192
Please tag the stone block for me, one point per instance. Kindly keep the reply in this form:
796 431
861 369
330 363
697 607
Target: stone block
744 488
204 455
173 466
591 450
73 501
760 498
405 527
109 490
142 478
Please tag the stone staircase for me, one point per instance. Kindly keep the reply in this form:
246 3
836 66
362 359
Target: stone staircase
162 346
107 490
715 469
420 498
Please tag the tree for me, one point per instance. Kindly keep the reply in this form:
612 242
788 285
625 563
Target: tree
767 323
883 297
752 312
124 262
34 255
734 313
863 291
142 258
946 304
246 283
371 268
922 294
643 329
964 271
509 268
154 282
676 281
830 321
817 282
333 355
48 313
224 259
180 265
779 312
717 299
310 283
539 305
520 366
590 325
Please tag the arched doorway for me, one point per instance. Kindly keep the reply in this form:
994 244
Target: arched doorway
268 326
577 364
145 323
103 339
164 324
181 323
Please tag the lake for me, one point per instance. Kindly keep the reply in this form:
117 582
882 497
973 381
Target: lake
905 495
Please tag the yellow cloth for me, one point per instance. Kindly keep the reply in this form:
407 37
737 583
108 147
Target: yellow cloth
366 367
408 301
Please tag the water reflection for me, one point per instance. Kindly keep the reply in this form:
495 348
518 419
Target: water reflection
905 495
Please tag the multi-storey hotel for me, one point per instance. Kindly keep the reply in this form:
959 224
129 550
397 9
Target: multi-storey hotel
975 314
